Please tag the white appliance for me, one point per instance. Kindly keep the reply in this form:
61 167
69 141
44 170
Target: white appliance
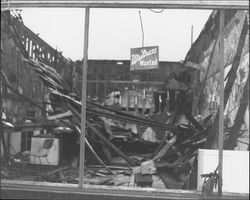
235 171
53 156
15 142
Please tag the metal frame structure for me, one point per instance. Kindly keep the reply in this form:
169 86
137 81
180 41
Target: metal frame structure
176 4
168 4
221 108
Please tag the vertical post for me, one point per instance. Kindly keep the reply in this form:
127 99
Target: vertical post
1 112
105 89
142 32
221 111
97 86
192 33
84 86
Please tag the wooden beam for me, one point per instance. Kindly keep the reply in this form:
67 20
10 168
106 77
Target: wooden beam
127 82
165 148
168 4
93 151
59 116
239 118
231 76
130 161
221 114
84 94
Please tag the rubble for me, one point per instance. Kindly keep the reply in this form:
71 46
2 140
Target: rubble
137 153
171 157
139 148
132 149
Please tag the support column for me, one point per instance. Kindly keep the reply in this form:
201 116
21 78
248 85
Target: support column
84 94
221 111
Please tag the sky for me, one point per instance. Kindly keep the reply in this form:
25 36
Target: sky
113 32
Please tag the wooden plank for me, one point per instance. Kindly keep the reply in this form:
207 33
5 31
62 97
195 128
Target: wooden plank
239 119
93 152
148 167
84 97
59 116
194 121
176 4
165 148
106 141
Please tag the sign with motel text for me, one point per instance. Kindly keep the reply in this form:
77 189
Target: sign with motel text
144 58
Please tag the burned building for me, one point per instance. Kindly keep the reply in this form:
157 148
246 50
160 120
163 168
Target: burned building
125 146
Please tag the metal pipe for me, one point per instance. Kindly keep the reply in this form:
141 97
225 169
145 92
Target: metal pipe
221 111
192 34
84 93
1 113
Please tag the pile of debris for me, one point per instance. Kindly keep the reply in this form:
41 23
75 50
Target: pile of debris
132 150
173 158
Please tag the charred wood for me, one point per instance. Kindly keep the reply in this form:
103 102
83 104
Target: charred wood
239 119
213 133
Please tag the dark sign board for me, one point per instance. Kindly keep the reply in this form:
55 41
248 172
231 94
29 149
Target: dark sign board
144 58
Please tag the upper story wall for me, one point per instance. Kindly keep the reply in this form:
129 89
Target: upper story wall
205 52
18 41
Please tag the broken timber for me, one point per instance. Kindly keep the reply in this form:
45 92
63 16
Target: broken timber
105 140
239 119
231 78
93 152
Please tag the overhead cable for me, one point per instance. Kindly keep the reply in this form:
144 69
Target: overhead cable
160 11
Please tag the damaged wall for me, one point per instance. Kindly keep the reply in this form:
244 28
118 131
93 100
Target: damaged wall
205 52
21 78
105 76
18 41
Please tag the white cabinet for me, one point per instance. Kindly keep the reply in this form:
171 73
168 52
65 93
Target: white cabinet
37 145
235 171
15 142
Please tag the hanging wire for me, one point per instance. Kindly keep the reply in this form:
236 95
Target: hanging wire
160 11
142 31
